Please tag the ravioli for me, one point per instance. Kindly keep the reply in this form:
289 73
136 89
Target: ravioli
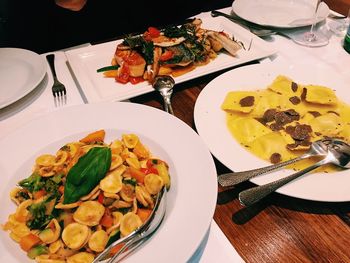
285 118
250 129
320 95
240 101
285 86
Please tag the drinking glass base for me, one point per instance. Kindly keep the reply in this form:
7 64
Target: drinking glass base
311 39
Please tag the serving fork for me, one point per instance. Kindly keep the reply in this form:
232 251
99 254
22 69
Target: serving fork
137 237
58 89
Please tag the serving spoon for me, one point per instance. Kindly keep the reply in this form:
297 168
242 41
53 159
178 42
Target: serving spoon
164 85
338 154
317 148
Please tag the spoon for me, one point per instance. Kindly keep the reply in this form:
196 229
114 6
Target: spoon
255 29
164 84
317 148
338 154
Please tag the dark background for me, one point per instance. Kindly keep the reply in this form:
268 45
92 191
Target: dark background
42 26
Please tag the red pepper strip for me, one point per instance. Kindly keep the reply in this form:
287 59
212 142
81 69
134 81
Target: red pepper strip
100 198
166 55
150 170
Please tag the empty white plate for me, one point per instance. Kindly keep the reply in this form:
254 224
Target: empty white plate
21 71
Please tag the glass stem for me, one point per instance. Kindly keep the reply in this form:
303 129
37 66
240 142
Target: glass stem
315 17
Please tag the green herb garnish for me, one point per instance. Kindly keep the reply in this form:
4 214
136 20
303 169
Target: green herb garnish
87 173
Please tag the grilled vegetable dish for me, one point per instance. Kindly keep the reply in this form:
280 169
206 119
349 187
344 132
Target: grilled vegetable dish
171 51
87 195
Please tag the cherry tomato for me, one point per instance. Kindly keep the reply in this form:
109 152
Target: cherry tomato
135 80
150 170
153 31
124 74
151 162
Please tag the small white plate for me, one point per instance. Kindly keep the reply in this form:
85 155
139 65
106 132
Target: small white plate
191 199
85 61
21 71
280 13
210 122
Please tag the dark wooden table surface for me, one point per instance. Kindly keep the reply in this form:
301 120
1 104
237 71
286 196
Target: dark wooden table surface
279 228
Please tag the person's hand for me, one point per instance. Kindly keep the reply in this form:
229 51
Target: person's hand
73 5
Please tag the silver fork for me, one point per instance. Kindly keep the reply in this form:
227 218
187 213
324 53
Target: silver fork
136 238
58 89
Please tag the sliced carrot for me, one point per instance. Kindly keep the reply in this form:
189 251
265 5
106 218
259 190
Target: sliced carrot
39 194
97 136
137 174
144 213
111 73
29 241
116 248
61 189
107 219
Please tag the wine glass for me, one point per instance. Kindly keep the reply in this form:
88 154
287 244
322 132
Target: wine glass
312 38
340 27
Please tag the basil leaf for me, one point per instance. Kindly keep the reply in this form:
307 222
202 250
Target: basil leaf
87 173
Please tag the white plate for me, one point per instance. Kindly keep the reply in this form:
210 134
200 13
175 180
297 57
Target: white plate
85 61
191 199
280 13
21 71
211 125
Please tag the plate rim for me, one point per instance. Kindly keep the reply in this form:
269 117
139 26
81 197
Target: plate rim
41 72
286 26
200 119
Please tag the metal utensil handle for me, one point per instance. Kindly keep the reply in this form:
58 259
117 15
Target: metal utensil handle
233 18
167 103
127 245
51 59
239 20
230 179
144 235
135 233
253 195
170 108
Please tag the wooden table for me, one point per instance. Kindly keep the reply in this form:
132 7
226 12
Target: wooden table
278 228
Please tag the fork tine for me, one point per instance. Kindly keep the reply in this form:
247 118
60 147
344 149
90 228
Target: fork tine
58 89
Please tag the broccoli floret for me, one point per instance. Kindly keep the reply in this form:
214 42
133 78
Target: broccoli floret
33 183
39 219
131 181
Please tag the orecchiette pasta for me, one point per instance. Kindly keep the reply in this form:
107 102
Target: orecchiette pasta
53 230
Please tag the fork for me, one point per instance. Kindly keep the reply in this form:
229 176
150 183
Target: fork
58 89
136 238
